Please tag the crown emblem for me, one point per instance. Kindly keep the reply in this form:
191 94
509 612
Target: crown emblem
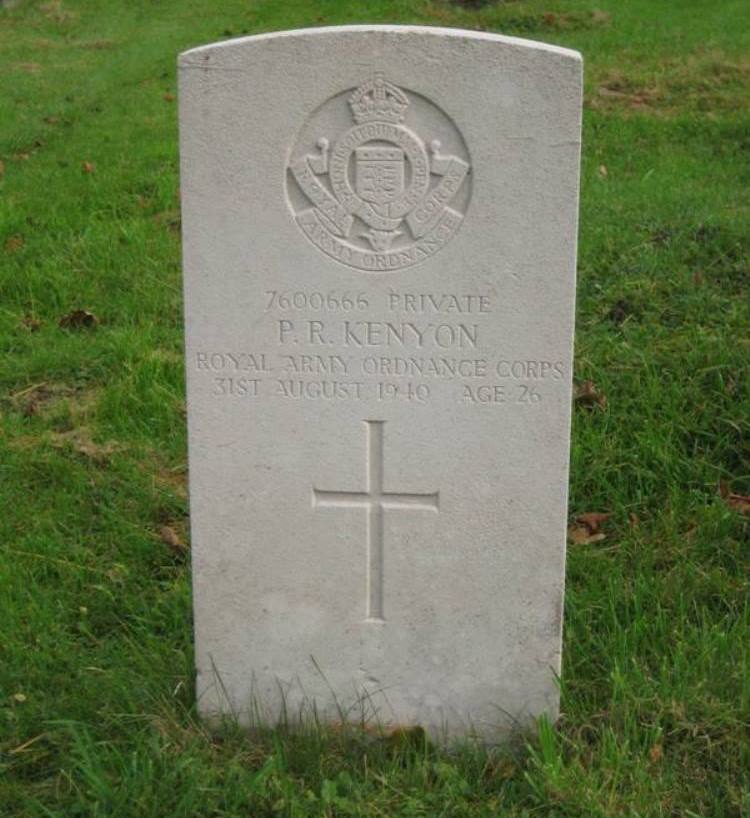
378 100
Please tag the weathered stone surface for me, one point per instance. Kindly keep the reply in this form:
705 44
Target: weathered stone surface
379 242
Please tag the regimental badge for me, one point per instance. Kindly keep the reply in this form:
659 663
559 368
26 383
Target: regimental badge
379 174
374 196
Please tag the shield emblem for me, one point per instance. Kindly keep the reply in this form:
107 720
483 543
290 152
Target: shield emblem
379 174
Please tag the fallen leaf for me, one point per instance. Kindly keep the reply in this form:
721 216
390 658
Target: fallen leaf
2 168
22 157
588 397
14 244
19 697
639 102
171 219
78 319
738 502
80 440
88 167
33 400
30 323
618 89
579 535
605 91
402 737
52 120
503 768
99 454
549 18
586 528
634 520
603 171
170 537
173 478
593 520
656 753
169 97
621 310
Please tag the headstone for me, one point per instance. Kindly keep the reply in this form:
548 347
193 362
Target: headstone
379 231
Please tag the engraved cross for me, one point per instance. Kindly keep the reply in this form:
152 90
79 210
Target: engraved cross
375 500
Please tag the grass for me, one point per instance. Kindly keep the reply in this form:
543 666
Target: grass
96 700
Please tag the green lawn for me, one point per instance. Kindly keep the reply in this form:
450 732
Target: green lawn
96 689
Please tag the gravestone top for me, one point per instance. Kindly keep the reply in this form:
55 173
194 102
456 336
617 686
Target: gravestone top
379 236
373 29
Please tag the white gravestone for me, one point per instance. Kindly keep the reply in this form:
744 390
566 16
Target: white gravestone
379 249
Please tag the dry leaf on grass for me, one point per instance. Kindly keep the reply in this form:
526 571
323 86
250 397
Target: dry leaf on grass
588 396
603 171
656 753
169 97
619 313
171 219
28 401
46 397
175 479
586 528
2 168
30 323
82 443
88 167
14 244
605 91
502 769
78 319
620 90
399 738
739 502
96 452
171 538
